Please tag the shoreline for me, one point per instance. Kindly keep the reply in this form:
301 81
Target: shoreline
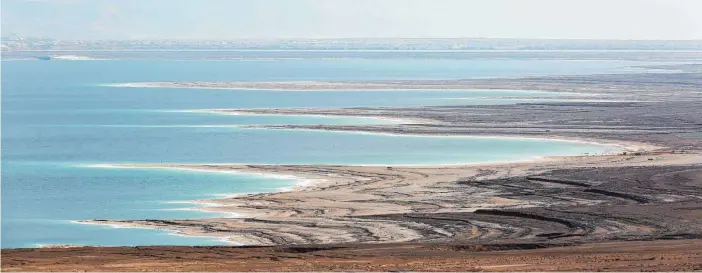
232 204
126 226
253 112
300 181
209 205
617 85
627 146
621 146
395 203
309 182
330 86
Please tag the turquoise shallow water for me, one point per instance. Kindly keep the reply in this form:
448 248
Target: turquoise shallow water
58 117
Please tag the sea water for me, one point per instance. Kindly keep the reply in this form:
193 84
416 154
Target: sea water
59 118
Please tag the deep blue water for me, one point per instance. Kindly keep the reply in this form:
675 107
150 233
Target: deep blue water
58 117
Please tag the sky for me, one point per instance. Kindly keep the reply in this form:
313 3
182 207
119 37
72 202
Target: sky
255 19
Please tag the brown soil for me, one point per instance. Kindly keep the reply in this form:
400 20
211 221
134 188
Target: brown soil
663 255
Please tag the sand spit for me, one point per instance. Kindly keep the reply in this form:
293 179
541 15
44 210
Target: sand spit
300 112
602 86
297 86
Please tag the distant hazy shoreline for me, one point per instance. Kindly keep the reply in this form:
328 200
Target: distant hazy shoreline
268 54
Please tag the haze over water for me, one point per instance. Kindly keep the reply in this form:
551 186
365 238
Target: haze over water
59 117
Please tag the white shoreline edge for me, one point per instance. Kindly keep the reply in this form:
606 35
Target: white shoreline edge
202 205
303 182
171 232
306 182
623 145
245 112
170 85
627 146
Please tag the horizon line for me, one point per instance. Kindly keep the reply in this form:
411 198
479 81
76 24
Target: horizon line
361 38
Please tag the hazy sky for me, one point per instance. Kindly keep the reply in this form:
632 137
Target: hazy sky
232 19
